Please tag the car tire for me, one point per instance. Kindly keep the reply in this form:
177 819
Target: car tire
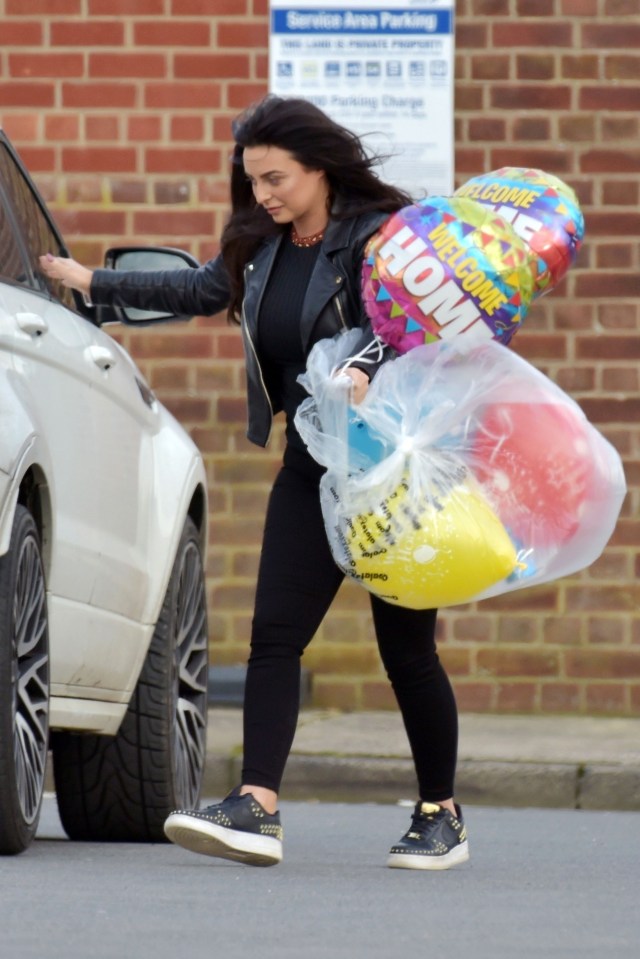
121 788
24 685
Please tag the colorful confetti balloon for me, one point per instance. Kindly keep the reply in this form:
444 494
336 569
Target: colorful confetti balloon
446 267
544 212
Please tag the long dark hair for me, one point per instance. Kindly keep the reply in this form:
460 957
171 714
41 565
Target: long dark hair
318 143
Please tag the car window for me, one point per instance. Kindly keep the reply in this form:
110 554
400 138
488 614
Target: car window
36 232
11 264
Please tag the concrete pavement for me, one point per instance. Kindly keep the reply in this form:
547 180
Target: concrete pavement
561 762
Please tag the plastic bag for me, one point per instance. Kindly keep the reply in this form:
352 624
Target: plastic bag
465 473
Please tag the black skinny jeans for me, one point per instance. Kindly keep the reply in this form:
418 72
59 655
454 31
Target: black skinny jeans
297 582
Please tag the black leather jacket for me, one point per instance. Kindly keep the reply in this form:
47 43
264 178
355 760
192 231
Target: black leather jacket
332 301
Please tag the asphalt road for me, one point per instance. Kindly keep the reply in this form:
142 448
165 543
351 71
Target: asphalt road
541 884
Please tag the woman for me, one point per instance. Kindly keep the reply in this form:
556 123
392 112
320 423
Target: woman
304 203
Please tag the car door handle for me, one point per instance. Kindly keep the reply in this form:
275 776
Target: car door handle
32 324
101 356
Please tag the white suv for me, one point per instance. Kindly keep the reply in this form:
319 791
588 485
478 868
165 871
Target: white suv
103 525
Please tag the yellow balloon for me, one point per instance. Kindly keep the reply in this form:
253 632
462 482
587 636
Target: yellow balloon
442 553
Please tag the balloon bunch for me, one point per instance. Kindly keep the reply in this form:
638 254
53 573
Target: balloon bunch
465 473
471 263
471 474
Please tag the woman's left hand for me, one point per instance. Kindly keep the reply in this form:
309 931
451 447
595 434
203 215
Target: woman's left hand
360 384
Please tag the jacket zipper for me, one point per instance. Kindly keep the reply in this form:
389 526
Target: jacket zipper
340 312
245 326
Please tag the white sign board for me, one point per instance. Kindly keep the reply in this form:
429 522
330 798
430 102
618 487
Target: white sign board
384 70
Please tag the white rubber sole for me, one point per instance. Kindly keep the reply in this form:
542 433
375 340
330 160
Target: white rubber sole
407 860
206 838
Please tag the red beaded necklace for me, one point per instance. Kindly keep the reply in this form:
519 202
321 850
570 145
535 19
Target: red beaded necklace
298 240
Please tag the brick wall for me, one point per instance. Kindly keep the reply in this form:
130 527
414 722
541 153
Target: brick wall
122 111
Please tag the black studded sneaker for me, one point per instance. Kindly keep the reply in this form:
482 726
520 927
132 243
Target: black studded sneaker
237 828
436 839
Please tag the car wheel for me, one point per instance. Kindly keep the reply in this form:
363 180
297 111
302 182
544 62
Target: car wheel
122 788
24 685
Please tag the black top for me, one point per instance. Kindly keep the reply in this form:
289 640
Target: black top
279 336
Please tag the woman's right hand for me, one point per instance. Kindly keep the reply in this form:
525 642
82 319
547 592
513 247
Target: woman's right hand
68 271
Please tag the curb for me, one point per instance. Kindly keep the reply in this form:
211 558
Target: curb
365 779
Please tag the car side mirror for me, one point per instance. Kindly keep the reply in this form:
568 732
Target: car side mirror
143 258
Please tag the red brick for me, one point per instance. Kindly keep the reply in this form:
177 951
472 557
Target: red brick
599 599
622 68
23 128
535 66
611 410
173 222
518 97
619 127
115 8
128 191
580 67
474 697
576 128
144 127
25 8
26 94
606 699
547 158
601 664
102 128
100 159
94 95
182 160
533 128
517 662
241 95
532 34
22 33
46 65
620 8
84 190
610 161
172 33
187 128
61 126
173 192
468 97
560 698
516 697
38 159
471 35
490 68
535 8
191 96
625 285
128 65
92 222
602 36
579 8
243 34
87 33
205 8
218 65
487 8
611 255
610 630
609 98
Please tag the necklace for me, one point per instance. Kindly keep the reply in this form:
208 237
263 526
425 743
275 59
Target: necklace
298 240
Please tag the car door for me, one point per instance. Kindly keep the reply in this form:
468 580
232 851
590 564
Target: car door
96 418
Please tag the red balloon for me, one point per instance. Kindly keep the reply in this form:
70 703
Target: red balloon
534 463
